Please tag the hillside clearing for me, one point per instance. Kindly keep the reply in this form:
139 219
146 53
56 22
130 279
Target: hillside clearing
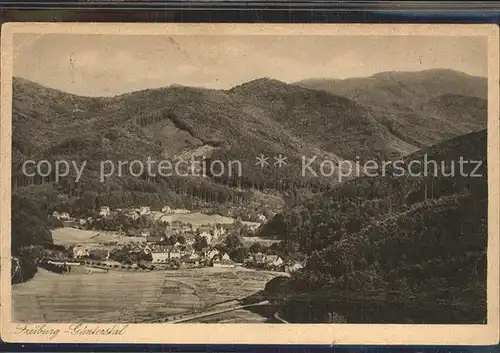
73 236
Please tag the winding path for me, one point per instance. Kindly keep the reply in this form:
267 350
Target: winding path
217 312
277 317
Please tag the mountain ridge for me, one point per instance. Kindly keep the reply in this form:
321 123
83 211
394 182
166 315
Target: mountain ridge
262 116
390 88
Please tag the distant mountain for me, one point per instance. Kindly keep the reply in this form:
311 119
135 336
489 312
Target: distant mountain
457 109
406 102
263 116
400 91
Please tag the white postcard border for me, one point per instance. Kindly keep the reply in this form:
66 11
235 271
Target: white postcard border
328 334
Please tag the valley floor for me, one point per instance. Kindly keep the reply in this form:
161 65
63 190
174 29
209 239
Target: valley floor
134 297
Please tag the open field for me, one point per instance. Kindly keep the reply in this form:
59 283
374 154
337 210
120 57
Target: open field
74 236
198 218
68 236
247 241
129 297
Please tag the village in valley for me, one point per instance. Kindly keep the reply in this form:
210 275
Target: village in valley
141 239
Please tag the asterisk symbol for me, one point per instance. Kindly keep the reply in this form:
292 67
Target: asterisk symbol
280 161
262 161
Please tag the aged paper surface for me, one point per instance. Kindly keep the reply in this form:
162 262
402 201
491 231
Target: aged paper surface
249 184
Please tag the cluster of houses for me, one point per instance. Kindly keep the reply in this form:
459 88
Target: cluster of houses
213 234
272 262
69 221
183 251
267 260
134 213
66 219
143 210
186 255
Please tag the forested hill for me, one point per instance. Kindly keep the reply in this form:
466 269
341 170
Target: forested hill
262 117
416 105
347 206
395 249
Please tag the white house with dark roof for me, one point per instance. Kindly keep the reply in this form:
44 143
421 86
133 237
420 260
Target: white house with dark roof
294 267
105 211
160 253
174 253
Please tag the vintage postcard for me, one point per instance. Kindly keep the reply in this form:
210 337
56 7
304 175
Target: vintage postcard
250 183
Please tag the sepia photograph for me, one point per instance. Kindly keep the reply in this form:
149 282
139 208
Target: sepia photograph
299 183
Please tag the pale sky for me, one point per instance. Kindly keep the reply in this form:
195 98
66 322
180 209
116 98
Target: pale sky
104 65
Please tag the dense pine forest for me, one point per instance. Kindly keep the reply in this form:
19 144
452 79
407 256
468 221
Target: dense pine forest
408 250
